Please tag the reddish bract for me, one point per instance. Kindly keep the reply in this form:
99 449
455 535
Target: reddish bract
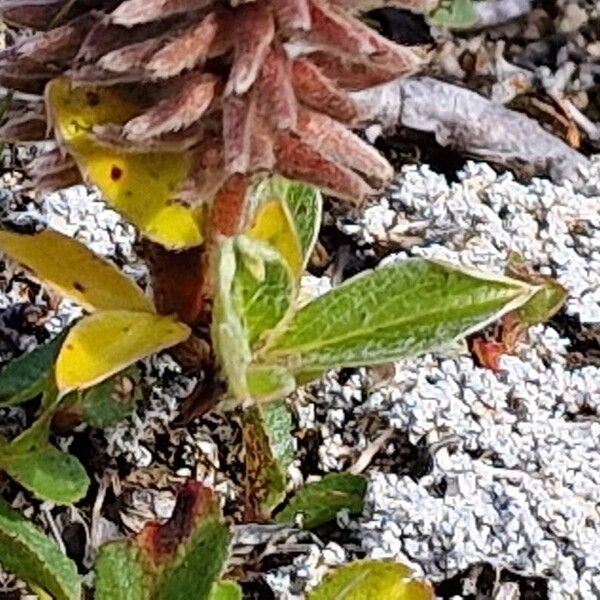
202 69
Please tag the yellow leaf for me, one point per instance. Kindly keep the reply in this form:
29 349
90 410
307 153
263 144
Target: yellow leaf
142 186
274 225
104 343
75 271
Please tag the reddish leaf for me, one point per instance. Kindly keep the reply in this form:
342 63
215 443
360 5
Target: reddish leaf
276 97
95 75
188 49
488 353
319 93
112 136
28 127
339 144
29 64
58 180
134 12
182 558
58 45
207 173
132 58
292 15
350 73
105 37
417 6
255 31
28 84
228 208
161 541
508 333
178 279
34 13
176 112
50 163
238 117
336 29
298 160
262 157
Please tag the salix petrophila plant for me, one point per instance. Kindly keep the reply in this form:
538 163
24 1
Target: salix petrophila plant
187 115
266 342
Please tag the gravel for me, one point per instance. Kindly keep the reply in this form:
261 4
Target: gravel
516 462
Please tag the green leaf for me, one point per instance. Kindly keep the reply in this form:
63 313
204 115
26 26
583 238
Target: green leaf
178 560
226 590
404 309
372 580
228 335
49 473
304 205
269 451
255 290
256 282
305 377
278 425
454 14
25 377
120 573
263 287
41 468
320 502
269 383
35 558
201 562
36 436
544 304
287 217
109 402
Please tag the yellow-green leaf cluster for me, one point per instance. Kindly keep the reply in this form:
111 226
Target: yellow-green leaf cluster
123 325
257 275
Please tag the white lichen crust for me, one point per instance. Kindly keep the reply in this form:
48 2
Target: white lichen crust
516 454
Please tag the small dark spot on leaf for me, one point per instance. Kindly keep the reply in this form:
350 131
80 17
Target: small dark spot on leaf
116 173
126 329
